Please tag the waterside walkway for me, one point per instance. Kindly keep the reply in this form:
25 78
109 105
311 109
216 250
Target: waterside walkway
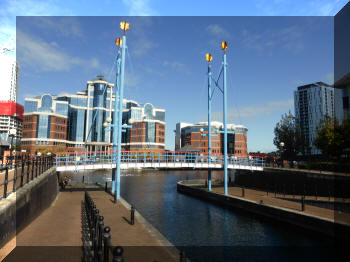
56 235
279 207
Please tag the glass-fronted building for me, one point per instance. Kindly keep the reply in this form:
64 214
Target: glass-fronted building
312 104
85 113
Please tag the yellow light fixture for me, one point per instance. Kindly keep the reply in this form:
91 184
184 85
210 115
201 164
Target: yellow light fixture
125 26
224 46
208 57
118 41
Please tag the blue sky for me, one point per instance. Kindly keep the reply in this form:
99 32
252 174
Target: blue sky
268 56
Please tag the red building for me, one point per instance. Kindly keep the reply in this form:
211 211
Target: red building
11 116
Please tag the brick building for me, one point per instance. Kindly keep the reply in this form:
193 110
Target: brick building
44 124
190 134
75 121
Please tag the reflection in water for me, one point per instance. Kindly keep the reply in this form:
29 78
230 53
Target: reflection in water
187 221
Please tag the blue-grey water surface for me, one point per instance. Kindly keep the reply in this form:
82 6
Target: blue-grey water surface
208 232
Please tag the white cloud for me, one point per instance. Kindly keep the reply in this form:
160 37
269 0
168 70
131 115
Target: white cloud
290 38
139 7
234 115
63 26
174 64
10 9
217 31
330 78
307 8
48 56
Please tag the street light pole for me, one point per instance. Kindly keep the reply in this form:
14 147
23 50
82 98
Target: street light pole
115 116
282 146
12 133
209 59
124 26
224 47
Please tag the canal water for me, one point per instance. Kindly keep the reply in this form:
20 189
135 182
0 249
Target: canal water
207 232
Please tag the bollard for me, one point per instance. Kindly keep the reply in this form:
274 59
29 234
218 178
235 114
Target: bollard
100 237
132 215
118 254
106 187
303 203
83 179
182 256
106 240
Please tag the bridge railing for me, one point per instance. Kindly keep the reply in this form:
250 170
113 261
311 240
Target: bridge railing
20 172
170 157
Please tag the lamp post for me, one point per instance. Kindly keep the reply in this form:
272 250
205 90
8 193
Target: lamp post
12 134
224 46
282 150
125 27
209 58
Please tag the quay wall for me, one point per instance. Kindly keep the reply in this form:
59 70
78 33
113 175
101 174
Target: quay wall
321 225
20 208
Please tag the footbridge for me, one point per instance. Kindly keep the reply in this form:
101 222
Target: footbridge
163 160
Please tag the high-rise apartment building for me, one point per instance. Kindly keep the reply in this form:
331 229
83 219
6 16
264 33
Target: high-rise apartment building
10 112
190 134
312 104
85 113
9 72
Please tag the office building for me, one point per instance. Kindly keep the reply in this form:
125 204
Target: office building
312 104
85 113
190 134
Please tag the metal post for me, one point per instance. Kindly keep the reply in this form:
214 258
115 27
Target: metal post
115 119
32 169
303 203
132 215
6 181
14 177
22 172
118 254
209 125
122 67
225 124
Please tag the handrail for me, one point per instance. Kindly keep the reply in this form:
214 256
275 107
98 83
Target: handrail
18 173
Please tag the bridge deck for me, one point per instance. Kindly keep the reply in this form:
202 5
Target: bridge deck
169 165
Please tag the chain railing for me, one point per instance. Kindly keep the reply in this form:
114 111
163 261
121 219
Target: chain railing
97 237
20 171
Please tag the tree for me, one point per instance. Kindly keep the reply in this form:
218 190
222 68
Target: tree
286 131
332 138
